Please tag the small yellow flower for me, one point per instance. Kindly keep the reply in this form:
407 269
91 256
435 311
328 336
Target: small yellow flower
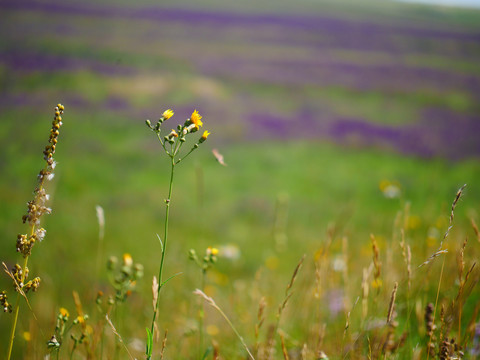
414 222
212 251
196 119
377 283
80 319
205 135
64 312
212 330
272 262
27 336
127 259
167 114
89 329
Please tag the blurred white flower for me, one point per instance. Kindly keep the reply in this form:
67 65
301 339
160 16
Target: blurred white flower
230 251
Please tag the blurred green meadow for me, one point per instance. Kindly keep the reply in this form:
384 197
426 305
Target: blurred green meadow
336 120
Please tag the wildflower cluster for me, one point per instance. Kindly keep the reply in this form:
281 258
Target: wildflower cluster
85 331
208 260
63 327
20 274
56 340
123 276
172 142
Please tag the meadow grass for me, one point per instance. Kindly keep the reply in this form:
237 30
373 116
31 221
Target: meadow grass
350 299
364 216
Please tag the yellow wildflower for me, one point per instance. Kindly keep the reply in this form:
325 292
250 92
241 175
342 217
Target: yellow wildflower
377 283
127 259
272 262
64 312
27 336
413 222
212 251
204 136
212 330
196 119
167 114
89 329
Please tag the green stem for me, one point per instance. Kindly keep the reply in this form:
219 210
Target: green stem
161 142
164 248
202 314
73 349
191 150
16 311
12 334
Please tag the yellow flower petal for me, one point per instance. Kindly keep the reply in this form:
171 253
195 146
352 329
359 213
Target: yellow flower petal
127 259
196 119
167 114
205 135
27 336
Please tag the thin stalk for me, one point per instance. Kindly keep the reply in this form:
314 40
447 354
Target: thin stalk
213 304
14 325
17 308
73 349
181 159
102 340
436 300
200 320
164 247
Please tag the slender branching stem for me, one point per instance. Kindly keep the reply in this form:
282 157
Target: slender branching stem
164 245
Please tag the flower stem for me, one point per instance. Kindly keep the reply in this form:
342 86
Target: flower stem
16 311
164 247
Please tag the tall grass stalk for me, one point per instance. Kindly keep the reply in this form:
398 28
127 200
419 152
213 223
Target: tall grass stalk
36 209
442 251
214 305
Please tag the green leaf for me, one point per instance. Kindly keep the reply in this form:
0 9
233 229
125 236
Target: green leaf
170 278
207 352
149 346
161 243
